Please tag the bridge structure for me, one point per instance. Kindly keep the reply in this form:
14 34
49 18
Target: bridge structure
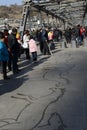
61 12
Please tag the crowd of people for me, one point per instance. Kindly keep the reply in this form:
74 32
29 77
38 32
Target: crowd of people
77 33
9 52
11 46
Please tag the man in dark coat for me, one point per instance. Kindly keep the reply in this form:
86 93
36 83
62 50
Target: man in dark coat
13 46
44 38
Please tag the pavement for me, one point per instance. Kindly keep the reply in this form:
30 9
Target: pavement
48 95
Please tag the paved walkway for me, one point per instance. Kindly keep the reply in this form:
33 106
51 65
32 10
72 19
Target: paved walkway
48 95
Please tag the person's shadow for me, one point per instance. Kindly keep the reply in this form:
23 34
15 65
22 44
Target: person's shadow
17 80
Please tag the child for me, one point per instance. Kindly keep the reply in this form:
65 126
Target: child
4 56
33 48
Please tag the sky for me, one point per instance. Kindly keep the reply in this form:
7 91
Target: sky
9 2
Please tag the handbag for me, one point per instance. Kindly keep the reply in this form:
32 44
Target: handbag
25 45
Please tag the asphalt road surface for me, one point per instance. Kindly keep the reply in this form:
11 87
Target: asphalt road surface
48 95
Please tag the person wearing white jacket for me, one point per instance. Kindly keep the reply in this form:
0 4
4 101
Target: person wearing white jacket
25 44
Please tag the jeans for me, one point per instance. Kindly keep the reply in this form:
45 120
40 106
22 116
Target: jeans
34 56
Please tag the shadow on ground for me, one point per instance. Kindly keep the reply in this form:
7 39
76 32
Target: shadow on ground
17 80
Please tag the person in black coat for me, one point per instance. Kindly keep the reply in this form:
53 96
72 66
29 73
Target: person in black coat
13 47
44 37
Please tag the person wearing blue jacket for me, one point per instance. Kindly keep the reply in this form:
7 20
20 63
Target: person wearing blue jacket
4 56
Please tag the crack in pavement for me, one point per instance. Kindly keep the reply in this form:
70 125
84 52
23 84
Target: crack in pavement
49 104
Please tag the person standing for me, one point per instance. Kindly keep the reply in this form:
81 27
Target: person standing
40 39
4 56
33 48
6 34
13 47
25 44
44 37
